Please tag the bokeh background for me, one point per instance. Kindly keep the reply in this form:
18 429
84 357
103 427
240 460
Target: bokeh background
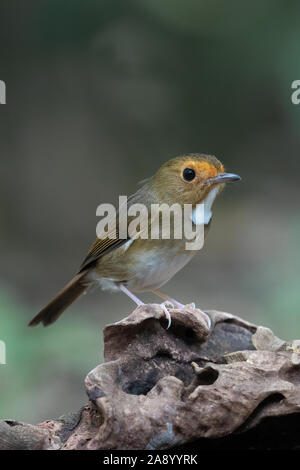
99 94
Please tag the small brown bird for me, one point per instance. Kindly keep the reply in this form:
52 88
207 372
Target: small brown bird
139 265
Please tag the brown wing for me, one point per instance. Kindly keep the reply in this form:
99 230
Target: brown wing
100 247
104 245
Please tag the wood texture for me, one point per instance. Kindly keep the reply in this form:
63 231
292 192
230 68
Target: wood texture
160 389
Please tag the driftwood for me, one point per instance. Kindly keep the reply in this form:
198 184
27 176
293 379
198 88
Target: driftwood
235 385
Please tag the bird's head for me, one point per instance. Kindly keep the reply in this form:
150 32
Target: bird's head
190 179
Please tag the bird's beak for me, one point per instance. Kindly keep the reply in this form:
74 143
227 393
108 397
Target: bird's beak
223 178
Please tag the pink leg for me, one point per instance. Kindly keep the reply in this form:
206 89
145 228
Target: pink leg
131 295
167 298
139 302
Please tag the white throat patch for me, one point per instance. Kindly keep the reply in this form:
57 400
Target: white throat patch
197 216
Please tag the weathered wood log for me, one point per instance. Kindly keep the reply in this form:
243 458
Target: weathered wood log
160 389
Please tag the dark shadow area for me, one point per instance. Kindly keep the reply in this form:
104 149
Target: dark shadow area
279 433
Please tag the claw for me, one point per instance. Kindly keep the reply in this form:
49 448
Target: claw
168 303
167 313
203 314
206 317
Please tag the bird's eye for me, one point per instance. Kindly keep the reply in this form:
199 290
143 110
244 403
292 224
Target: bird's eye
188 174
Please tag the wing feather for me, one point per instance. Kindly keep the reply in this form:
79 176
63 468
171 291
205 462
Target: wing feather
104 244
100 247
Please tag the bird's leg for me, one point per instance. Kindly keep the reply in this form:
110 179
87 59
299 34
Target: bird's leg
139 302
178 304
167 297
130 294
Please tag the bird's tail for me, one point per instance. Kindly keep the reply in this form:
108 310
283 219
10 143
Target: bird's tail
49 314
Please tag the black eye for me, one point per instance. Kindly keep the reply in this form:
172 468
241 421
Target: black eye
188 174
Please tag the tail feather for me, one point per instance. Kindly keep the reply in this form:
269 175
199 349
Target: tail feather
49 314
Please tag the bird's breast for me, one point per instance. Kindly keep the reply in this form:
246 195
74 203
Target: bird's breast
155 267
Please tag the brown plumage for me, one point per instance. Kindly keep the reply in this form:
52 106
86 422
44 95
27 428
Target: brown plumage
144 264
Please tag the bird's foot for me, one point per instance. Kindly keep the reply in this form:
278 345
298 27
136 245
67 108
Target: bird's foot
192 305
204 315
166 311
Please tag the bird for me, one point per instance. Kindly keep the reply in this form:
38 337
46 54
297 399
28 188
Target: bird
135 264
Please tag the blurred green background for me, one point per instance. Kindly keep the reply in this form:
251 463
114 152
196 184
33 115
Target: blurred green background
99 95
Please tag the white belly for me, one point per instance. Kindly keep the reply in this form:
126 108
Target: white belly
152 269
157 268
